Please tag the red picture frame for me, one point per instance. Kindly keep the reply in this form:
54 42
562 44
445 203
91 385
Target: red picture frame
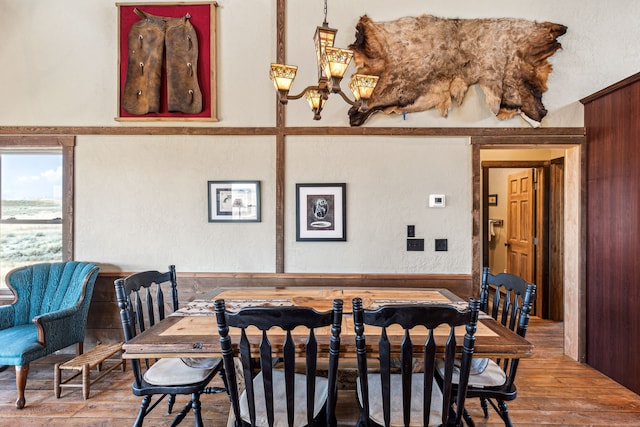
203 19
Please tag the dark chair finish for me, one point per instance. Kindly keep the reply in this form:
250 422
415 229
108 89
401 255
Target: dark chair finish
140 308
269 392
407 393
508 299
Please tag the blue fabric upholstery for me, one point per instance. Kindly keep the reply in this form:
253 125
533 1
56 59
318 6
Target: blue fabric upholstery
52 302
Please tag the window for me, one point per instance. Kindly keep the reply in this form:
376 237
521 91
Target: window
35 202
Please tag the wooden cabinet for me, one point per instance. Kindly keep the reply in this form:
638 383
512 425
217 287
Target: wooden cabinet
612 122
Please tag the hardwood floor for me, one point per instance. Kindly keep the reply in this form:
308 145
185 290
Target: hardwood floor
552 390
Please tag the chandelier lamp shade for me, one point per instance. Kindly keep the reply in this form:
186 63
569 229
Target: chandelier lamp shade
332 64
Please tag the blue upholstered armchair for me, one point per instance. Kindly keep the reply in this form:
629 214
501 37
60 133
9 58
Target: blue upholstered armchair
49 313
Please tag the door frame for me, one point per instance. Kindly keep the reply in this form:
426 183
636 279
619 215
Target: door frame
574 220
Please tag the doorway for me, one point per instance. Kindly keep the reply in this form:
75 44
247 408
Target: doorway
523 204
500 149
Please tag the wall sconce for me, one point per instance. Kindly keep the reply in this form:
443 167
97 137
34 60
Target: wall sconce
332 63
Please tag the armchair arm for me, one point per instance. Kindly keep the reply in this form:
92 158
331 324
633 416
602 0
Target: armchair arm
6 316
55 328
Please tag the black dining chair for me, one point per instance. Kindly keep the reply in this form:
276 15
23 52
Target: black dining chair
141 306
413 398
274 395
508 299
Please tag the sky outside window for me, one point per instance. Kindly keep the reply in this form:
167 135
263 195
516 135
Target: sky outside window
31 186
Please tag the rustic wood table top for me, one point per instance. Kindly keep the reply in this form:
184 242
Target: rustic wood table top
192 330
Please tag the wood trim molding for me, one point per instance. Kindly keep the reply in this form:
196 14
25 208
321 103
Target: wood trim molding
460 284
496 135
37 141
280 145
610 89
303 276
68 182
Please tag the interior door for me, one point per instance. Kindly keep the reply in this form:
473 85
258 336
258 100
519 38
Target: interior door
520 226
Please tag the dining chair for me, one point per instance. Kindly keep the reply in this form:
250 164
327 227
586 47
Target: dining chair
508 299
275 396
409 398
141 306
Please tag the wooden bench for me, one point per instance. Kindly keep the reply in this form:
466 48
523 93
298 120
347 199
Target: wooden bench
84 363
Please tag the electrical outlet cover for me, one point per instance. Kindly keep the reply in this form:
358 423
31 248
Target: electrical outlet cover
415 244
441 245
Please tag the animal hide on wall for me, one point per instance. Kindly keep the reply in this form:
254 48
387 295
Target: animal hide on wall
426 61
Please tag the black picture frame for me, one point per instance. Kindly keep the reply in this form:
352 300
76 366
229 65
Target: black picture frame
492 200
321 213
234 201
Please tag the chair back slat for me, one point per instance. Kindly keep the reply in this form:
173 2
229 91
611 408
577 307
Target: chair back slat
268 319
248 369
138 311
406 361
311 366
428 361
430 316
266 363
151 318
384 351
160 300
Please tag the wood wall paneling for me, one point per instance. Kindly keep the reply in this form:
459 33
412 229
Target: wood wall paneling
612 120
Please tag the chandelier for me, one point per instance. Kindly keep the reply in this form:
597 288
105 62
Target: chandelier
332 64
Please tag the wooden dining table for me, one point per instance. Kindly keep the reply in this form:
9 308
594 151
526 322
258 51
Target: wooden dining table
192 331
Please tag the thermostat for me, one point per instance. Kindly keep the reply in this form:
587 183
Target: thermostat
436 201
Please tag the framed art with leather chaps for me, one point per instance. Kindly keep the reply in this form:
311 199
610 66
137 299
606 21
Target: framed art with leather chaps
167 61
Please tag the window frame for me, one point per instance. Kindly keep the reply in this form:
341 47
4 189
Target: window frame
66 144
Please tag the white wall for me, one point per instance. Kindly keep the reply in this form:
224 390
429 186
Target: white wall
389 180
59 69
142 202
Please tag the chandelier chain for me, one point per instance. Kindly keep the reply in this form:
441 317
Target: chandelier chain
325 13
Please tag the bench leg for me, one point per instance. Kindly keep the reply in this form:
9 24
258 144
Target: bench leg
86 380
56 380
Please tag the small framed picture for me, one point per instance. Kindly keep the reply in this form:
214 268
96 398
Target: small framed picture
321 212
492 199
234 201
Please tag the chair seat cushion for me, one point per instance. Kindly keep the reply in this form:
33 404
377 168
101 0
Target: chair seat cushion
202 362
19 345
280 400
375 400
491 376
173 371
